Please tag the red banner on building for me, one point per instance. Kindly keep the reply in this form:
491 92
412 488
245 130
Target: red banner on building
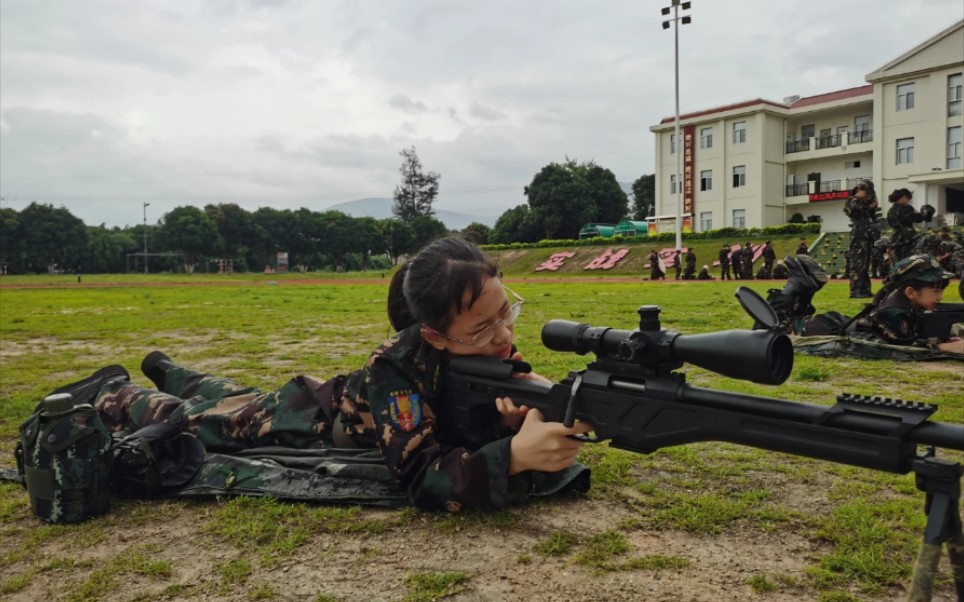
829 196
689 150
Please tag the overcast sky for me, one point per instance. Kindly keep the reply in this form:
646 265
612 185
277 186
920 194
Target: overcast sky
105 106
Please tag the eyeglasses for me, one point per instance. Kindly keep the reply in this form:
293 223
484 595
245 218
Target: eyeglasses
484 336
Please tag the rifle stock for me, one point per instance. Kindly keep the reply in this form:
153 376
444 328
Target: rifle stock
938 323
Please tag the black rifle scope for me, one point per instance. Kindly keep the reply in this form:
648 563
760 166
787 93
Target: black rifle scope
760 356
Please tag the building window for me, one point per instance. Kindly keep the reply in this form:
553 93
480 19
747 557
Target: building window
954 85
905 151
706 180
807 131
706 137
672 184
706 221
861 123
739 176
905 97
739 132
739 218
672 143
954 147
852 165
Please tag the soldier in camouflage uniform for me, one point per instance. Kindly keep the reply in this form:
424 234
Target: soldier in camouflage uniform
690 272
947 250
914 286
901 217
724 258
877 255
447 301
802 247
861 208
769 256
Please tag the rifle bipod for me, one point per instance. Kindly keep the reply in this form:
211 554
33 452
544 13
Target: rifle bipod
940 480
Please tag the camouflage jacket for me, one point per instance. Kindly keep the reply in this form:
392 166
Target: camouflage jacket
391 404
894 321
862 217
902 218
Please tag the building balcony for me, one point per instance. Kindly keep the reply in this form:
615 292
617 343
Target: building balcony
828 190
813 146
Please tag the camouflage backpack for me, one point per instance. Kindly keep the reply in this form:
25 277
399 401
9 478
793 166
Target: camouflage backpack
64 458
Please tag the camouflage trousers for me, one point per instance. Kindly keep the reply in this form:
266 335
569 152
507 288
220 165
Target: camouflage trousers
860 266
225 416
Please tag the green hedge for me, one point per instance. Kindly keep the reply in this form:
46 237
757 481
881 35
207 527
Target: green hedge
728 233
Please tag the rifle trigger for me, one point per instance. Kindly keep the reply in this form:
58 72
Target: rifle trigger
569 418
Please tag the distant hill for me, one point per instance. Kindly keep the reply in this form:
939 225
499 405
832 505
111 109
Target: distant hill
381 208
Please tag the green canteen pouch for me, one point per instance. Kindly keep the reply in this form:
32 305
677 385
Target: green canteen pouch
64 457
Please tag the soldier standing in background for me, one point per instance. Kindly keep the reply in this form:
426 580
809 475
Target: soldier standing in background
802 247
690 272
947 249
746 263
861 208
769 256
877 258
725 262
677 264
901 217
655 271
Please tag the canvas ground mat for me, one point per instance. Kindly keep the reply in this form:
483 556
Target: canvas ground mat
330 475
859 348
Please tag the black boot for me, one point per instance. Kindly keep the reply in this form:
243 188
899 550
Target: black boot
155 367
805 277
86 390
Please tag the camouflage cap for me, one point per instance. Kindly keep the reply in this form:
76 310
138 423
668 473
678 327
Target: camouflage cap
865 185
919 267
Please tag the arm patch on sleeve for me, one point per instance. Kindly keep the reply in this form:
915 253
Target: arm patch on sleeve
405 410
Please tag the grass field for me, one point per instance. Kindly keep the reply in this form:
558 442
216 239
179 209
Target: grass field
701 522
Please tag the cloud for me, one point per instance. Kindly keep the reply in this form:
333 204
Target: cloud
285 103
404 103
486 113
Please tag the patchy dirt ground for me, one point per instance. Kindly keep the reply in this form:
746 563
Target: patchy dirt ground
373 567
64 563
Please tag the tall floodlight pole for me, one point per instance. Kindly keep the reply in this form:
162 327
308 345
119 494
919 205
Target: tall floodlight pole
146 205
677 21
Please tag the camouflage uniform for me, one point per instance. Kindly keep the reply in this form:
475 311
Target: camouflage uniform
802 248
769 256
892 320
224 415
746 262
877 264
902 218
389 405
393 403
863 233
724 257
690 272
947 253
677 265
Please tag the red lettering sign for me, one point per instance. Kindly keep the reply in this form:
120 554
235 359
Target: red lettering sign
607 260
689 133
555 262
829 196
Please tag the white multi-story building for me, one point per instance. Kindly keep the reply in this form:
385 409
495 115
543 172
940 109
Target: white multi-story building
758 162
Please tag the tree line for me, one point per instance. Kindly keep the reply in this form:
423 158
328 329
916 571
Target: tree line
561 199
